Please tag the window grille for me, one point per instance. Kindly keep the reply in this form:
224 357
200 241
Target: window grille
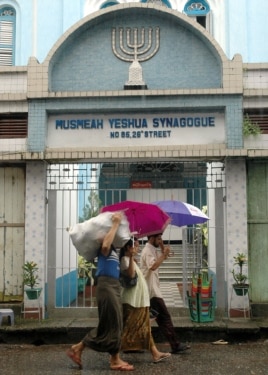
7 36
120 176
260 118
13 125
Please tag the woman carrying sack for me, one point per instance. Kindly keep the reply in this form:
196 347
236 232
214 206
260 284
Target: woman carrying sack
106 337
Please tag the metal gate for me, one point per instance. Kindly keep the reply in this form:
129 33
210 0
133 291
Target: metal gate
76 192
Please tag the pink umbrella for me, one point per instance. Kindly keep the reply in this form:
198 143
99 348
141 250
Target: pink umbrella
144 218
182 213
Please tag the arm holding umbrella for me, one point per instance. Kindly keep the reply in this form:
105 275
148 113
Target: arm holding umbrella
165 248
159 261
165 253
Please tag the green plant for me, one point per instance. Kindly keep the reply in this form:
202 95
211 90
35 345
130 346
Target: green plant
250 127
204 237
239 260
30 274
204 228
92 208
85 268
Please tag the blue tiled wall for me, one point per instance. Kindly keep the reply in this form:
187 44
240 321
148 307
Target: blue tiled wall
232 105
86 62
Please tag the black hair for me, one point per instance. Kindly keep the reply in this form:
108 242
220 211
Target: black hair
124 248
154 235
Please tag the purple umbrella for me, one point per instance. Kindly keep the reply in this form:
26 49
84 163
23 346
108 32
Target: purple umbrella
144 218
182 213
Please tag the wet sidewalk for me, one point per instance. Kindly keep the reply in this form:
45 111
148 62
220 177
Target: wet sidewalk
203 358
70 330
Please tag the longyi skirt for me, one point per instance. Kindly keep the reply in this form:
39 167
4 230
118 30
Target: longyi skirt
137 330
107 336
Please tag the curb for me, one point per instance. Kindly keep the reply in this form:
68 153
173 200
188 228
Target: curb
66 331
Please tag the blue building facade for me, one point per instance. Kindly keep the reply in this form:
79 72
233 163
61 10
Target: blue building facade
142 84
33 27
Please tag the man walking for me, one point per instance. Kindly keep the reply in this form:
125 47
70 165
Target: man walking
150 261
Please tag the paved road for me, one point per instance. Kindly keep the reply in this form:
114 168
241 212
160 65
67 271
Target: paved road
204 359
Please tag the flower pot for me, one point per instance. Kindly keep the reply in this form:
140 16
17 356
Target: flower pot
241 290
33 293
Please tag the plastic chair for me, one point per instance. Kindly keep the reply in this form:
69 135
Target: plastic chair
9 313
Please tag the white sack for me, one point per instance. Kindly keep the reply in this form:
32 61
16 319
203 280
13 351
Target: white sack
87 236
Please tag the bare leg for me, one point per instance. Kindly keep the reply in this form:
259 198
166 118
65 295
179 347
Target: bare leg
75 353
157 355
78 348
116 363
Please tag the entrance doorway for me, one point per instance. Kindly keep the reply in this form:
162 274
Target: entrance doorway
76 192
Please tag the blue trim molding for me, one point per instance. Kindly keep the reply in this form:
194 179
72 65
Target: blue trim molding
108 3
196 8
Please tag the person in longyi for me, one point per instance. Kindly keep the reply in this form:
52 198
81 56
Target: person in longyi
106 337
137 334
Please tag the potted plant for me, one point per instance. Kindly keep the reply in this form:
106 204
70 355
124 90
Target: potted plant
30 278
250 127
85 273
240 286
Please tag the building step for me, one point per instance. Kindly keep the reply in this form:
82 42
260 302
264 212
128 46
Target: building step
172 270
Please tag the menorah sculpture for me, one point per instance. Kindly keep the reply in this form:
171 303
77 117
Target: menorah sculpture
135 47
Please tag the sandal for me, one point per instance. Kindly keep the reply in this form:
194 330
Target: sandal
125 367
74 357
162 357
220 342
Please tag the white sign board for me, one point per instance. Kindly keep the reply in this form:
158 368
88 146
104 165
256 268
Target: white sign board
115 130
